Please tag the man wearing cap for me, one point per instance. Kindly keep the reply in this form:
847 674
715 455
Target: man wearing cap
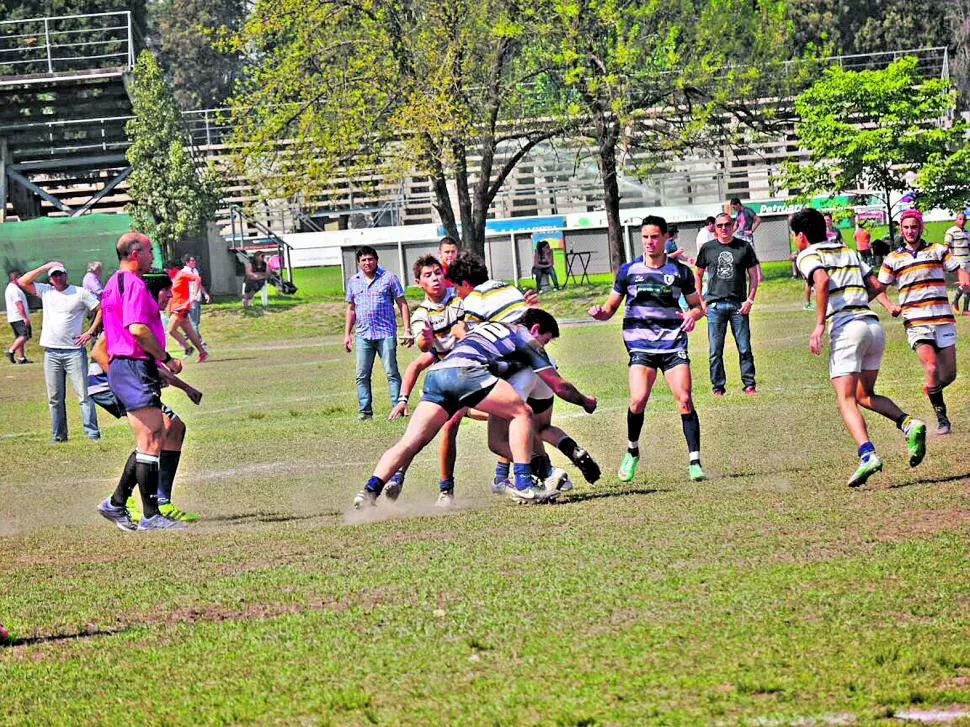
63 338
135 344
916 267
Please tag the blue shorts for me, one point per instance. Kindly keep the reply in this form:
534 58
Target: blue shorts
457 387
107 401
135 383
662 361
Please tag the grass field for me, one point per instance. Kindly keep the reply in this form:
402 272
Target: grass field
768 594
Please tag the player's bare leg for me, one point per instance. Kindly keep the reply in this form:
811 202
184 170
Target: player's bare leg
679 381
641 380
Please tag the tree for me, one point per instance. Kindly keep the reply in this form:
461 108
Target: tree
944 181
871 130
169 197
201 75
399 88
668 76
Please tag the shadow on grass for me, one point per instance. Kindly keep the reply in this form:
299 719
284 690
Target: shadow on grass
586 496
270 517
221 359
54 638
931 481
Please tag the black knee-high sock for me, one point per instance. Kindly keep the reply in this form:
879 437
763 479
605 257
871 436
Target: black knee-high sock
168 464
634 423
126 485
936 399
567 445
146 472
692 433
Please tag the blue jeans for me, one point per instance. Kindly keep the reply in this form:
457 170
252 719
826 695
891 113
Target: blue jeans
719 314
367 348
60 364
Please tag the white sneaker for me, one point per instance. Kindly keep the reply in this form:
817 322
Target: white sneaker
557 480
446 499
534 494
365 498
160 522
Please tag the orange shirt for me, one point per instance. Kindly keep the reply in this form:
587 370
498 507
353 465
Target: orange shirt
181 291
862 238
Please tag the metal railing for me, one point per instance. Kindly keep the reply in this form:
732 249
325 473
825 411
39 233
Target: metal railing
66 44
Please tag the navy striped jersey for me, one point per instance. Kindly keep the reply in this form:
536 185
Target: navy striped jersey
494 344
652 319
847 273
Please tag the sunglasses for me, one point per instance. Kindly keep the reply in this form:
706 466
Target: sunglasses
723 225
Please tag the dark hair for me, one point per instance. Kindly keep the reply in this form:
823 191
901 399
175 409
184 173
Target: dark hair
656 221
809 222
545 320
186 257
365 250
735 200
673 230
13 271
425 261
128 242
467 267
156 281
709 220
447 240
543 243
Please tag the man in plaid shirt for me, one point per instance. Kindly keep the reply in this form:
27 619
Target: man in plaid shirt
371 296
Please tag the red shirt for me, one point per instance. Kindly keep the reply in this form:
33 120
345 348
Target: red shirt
181 292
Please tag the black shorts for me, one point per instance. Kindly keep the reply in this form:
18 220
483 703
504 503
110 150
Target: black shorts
254 286
22 329
107 401
540 405
662 361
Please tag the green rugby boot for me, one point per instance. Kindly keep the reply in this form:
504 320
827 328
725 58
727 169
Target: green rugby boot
695 472
916 442
628 467
867 468
133 512
170 511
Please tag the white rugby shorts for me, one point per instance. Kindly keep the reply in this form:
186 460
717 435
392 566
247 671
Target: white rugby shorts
856 346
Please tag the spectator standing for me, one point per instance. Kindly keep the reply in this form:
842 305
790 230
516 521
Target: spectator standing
18 316
92 279
63 341
732 266
371 296
863 242
705 234
832 233
746 221
447 252
197 292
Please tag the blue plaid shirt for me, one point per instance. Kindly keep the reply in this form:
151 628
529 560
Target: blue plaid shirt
374 303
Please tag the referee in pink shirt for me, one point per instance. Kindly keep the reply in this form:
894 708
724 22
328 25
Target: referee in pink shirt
135 340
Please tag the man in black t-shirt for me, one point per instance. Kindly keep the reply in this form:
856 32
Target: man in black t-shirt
732 266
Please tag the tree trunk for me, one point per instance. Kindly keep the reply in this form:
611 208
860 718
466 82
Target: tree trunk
607 133
442 203
889 217
466 205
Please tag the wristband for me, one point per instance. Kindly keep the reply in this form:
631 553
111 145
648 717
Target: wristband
168 357
403 398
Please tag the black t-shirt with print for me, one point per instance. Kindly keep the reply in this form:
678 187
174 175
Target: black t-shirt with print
726 267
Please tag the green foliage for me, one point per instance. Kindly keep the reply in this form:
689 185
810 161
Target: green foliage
871 129
944 180
170 199
201 75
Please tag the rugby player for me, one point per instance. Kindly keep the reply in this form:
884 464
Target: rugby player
135 341
957 239
464 379
917 269
844 285
655 333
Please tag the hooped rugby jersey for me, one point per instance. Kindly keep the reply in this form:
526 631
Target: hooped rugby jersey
441 317
494 300
958 240
920 280
652 318
490 344
847 272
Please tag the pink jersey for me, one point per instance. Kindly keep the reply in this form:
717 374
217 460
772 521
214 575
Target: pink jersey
126 300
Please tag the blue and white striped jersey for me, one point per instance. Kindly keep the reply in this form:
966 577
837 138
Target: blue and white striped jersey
652 319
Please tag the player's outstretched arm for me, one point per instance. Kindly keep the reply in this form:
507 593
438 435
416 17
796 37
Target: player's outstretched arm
411 374
566 391
605 312
170 379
